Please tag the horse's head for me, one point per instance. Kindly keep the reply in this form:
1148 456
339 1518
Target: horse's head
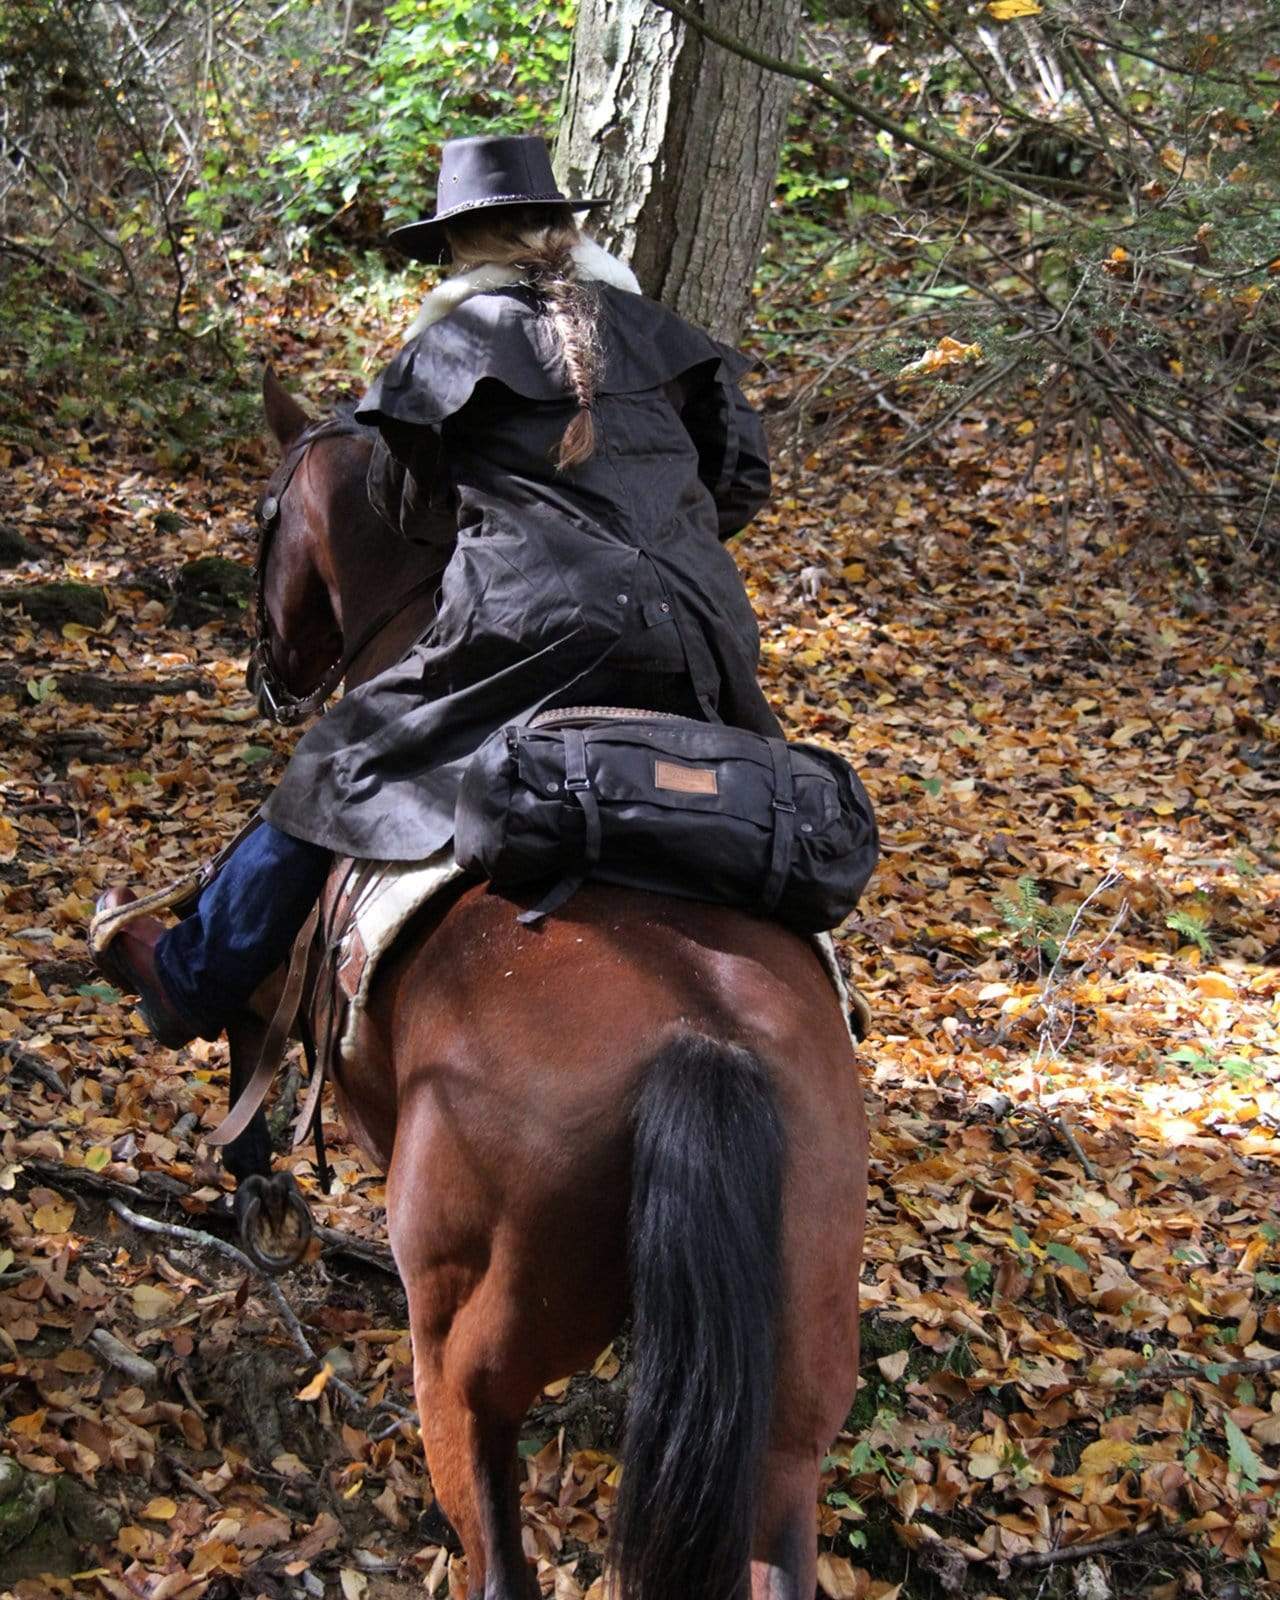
316 490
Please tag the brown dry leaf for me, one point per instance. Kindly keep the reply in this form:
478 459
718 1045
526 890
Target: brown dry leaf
151 1302
838 1579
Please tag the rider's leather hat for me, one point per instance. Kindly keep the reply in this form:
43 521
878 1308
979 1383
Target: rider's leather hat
485 173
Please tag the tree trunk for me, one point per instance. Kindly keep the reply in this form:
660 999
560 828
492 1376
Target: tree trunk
684 138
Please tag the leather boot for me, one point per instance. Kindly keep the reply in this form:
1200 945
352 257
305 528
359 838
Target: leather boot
129 962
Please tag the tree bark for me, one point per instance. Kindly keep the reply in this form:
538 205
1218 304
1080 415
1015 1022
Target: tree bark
683 137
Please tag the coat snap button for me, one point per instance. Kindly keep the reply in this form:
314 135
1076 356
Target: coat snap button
806 827
553 788
622 599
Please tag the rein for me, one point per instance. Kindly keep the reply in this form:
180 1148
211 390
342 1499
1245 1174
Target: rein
277 700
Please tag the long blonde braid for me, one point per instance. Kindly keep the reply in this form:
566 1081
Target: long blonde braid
542 249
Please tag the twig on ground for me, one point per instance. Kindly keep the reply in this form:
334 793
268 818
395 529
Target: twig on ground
209 1241
1095 1547
24 1061
1064 1129
158 1186
1211 1371
135 1367
184 1383
194 1486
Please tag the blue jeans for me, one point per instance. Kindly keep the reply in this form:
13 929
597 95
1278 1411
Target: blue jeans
242 929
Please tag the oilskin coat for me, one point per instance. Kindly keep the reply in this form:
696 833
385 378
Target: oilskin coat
558 586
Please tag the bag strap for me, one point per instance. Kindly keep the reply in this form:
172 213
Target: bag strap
577 782
784 824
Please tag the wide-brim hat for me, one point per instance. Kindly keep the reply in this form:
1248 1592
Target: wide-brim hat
485 173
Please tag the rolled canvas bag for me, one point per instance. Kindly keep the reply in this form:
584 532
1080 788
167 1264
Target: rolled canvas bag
679 807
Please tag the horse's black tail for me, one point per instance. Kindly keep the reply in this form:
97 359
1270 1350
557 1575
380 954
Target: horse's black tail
706 1218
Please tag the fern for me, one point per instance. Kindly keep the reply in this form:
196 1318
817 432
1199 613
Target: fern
1193 929
1033 922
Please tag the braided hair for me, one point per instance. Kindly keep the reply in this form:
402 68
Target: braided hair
539 243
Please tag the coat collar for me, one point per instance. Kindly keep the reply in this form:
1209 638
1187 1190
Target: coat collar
593 262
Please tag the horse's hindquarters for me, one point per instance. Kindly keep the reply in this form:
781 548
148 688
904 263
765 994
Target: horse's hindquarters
519 1056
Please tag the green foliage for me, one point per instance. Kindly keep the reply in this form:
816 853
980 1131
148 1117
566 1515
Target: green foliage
1238 1068
105 993
1067 1256
1192 928
1240 1456
978 1273
444 69
1033 922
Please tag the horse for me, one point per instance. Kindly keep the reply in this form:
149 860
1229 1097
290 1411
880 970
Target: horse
642 1107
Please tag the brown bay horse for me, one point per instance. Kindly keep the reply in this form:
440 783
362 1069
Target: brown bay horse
643 1106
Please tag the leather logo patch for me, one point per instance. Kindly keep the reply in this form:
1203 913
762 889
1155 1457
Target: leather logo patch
684 780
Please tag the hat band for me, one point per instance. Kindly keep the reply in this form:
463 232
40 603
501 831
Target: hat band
502 200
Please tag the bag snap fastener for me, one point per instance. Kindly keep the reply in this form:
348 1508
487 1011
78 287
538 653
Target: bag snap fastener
622 599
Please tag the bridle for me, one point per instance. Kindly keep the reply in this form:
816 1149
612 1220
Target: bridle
274 696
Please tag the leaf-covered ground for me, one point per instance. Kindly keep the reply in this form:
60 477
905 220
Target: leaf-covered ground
1072 1282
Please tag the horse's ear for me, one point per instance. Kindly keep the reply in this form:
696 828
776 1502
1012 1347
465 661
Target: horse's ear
285 416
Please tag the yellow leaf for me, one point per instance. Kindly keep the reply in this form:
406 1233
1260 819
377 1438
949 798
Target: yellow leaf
353 1583
1025 427
8 840
1007 10
1214 986
607 1365
316 1387
76 632
160 1509
97 1158
948 352
1108 1455
54 1218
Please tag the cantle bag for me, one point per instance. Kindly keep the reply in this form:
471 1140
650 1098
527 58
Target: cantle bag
676 806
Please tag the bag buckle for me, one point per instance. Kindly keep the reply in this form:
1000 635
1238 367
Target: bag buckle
783 805
576 785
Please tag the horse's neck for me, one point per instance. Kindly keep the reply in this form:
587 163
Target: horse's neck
402 631
374 572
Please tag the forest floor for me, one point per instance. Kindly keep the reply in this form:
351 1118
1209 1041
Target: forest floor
1070 727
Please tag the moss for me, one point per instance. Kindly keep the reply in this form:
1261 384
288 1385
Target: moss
48 1524
216 580
24 1500
52 604
15 548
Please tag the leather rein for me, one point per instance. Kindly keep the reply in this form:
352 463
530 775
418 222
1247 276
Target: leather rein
275 697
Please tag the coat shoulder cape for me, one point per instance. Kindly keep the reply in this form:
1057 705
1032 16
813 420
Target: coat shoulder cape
501 335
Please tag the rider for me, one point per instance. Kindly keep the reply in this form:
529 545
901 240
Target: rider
584 451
